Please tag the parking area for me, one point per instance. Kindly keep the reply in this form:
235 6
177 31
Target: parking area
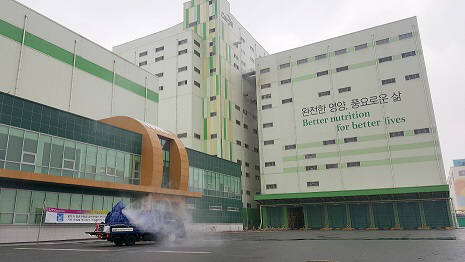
434 245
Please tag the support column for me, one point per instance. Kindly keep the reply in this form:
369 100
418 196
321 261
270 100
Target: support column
285 223
422 216
264 218
306 217
451 214
348 220
396 216
372 216
326 218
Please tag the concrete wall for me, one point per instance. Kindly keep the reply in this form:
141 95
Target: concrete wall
48 232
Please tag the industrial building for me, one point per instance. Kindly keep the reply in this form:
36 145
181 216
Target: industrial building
204 65
348 136
79 131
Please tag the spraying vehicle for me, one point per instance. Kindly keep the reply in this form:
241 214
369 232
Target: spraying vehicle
151 226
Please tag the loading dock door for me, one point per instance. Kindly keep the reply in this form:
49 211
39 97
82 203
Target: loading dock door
314 216
359 216
337 216
409 215
384 215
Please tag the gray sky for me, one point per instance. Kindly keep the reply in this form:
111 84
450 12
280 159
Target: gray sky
278 26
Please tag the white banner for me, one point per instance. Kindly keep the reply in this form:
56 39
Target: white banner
59 215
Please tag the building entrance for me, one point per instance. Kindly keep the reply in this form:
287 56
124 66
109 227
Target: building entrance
296 218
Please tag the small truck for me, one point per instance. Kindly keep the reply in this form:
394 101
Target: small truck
152 226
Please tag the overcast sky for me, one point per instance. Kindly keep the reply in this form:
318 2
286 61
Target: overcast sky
279 25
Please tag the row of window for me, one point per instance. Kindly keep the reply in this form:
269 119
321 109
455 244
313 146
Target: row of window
309 184
338 52
214 184
346 140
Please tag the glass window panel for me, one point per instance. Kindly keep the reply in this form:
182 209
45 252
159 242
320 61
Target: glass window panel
3 136
43 152
119 164
91 159
6 218
57 153
98 203
12 166
107 203
37 202
127 201
23 201
64 200
87 201
51 199
81 156
30 142
127 168
7 200
70 150
76 202
111 162
101 160
34 218
20 218
27 168
15 145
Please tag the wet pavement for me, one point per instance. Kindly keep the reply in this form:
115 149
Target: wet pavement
431 245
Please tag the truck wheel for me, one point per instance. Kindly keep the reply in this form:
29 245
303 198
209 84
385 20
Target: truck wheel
130 241
118 242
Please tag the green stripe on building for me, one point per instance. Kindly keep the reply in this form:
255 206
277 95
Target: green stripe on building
345 193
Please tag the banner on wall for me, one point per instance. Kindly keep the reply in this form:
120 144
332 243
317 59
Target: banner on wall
69 216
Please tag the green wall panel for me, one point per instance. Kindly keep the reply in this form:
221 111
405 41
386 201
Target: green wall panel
314 216
384 215
359 216
409 215
436 214
337 215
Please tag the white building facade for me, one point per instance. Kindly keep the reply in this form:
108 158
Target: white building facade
206 96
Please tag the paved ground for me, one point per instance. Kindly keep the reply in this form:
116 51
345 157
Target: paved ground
259 246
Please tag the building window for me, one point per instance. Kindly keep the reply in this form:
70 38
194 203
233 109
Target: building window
268 164
350 139
160 88
181 42
395 134
255 149
322 73
310 156
239 162
159 74
385 59
213 70
238 122
257 167
330 166
353 164
266 125
264 70
246 147
309 168
247 174
360 47
212 53
255 131
236 66
413 76
192 24
215 208
211 17
285 101
407 54
286 65
382 41
324 93
342 68
212 30
196 43
239 143
197 84
213 136
143 63
265 107
421 131
181 135
290 147
160 58
159 49
181 83
258 179
143 54
302 61
237 107
388 81
265 86
344 89
197 136
267 96
212 98
405 36
319 57
340 52
212 114
197 53
182 69
196 70
271 186
246 126
329 142
268 142
182 52
313 183
285 81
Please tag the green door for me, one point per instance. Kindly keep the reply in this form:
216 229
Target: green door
409 215
275 217
436 214
314 216
337 216
384 215
359 216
